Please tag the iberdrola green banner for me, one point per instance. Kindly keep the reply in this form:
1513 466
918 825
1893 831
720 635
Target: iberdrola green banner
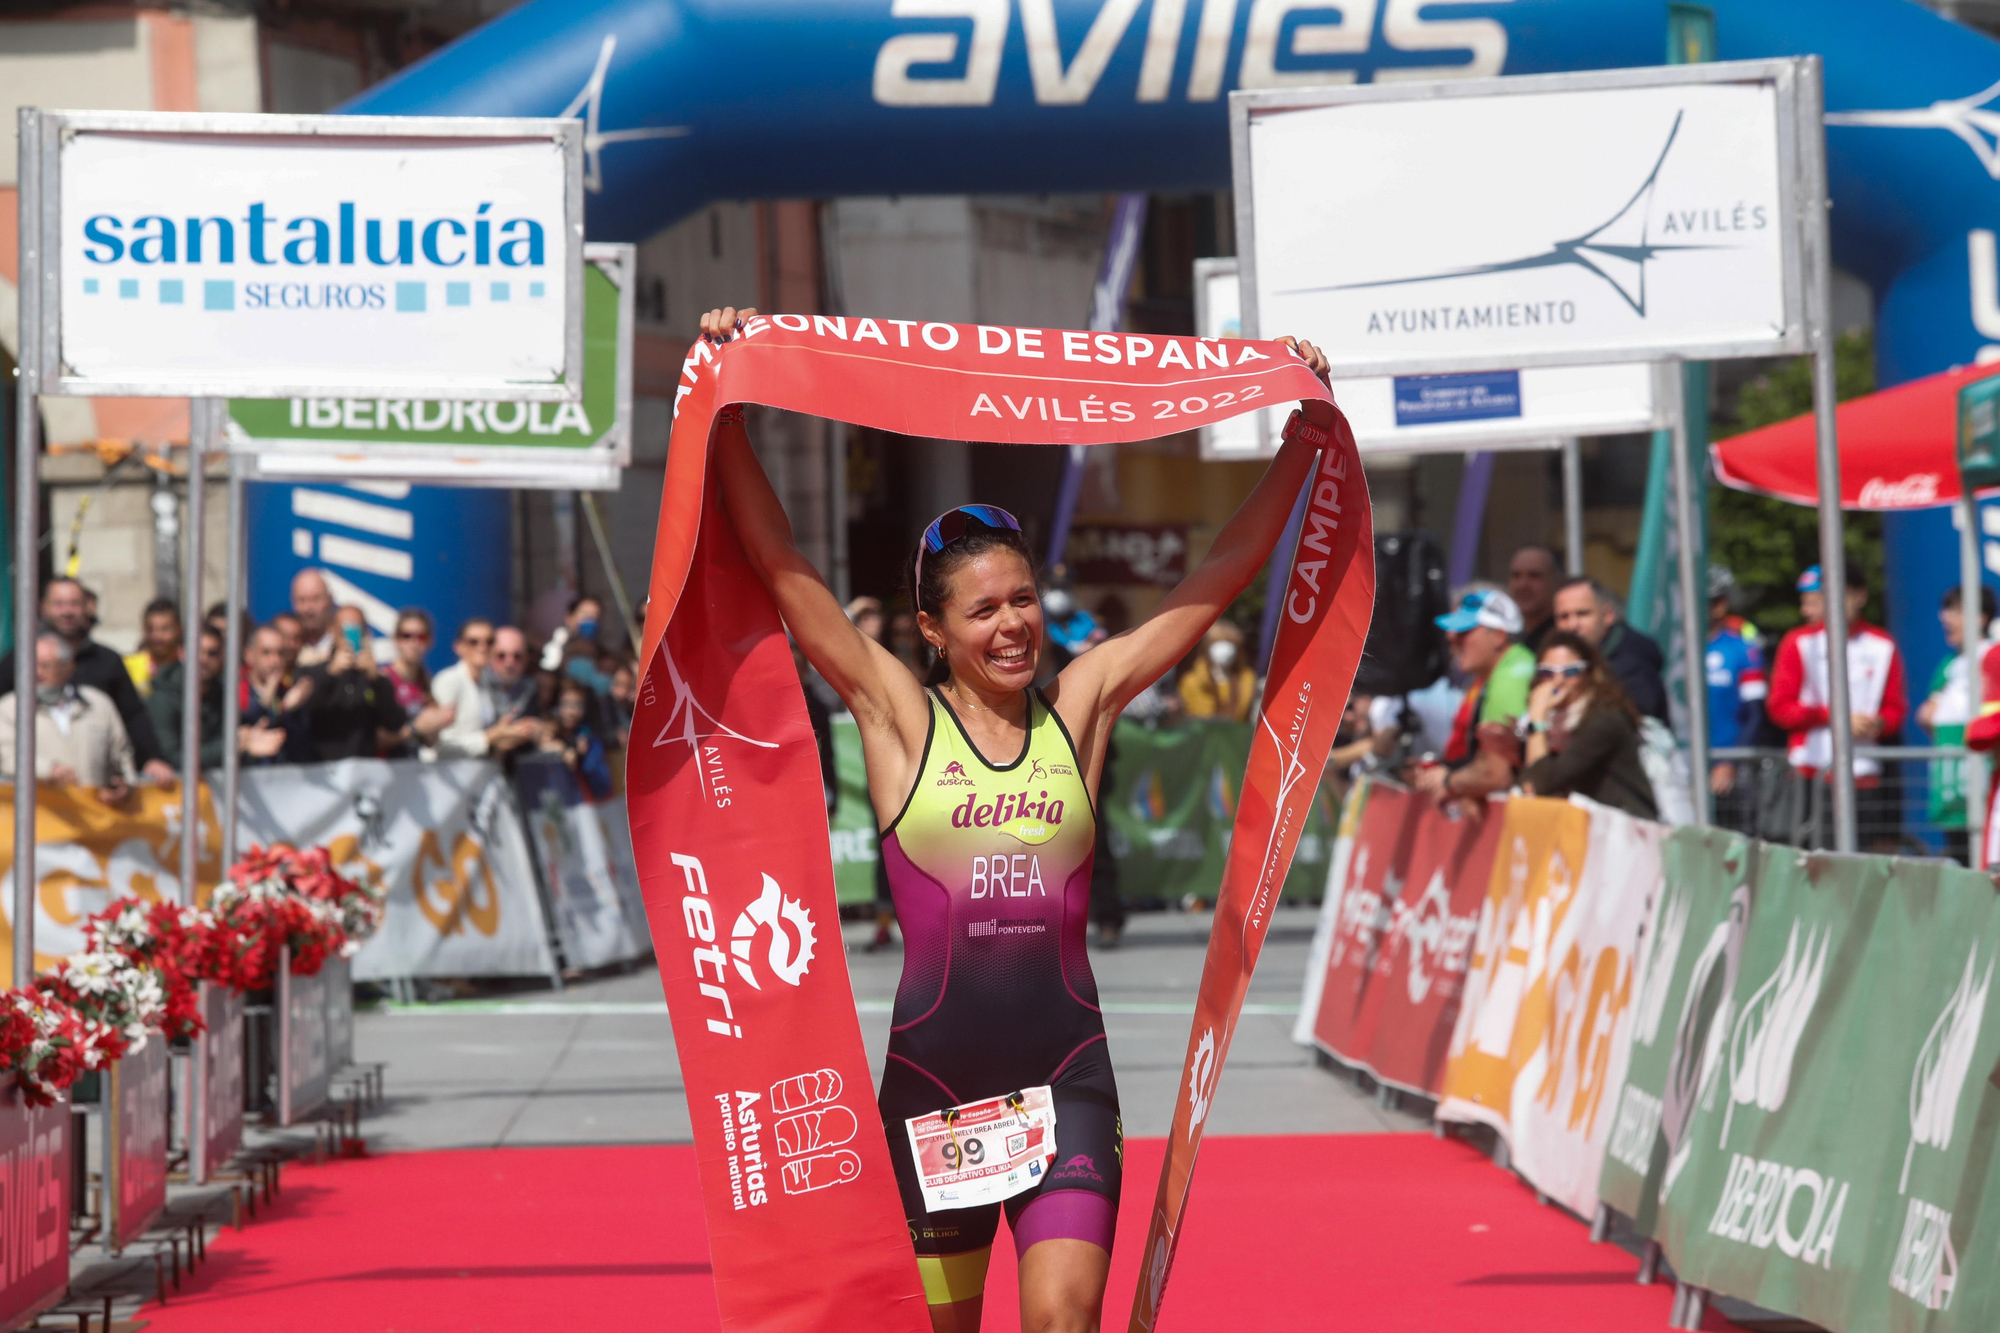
852 823
1169 797
1687 967
1171 802
1845 1118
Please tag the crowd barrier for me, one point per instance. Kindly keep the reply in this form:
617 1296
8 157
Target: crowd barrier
35 1148
475 889
1780 1065
485 878
584 849
1168 800
135 1190
310 1010
215 1108
88 852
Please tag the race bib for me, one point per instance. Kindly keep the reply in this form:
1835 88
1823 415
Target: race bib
984 1152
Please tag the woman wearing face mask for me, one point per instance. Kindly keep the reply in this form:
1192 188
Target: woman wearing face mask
1582 732
975 773
1220 684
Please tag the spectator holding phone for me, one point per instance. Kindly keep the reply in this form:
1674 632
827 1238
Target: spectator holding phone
353 713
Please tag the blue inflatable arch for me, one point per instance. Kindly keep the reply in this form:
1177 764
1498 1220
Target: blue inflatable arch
690 101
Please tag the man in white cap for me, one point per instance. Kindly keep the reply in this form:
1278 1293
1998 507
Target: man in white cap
1483 751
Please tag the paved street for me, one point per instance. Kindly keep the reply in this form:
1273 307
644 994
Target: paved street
595 1064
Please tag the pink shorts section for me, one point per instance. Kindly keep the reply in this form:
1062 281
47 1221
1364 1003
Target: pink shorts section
1066 1215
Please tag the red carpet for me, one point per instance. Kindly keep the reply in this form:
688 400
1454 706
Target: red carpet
1371 1232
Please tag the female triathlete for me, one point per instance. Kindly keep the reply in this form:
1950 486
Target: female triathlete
985 791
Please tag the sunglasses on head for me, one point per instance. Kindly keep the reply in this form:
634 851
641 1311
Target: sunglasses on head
1568 672
953 525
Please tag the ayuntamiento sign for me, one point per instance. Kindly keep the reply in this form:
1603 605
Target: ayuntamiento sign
210 254
1624 215
1534 408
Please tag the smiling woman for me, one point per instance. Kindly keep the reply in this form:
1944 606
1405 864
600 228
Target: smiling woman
984 787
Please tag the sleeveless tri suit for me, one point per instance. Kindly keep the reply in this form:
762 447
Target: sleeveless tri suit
990 868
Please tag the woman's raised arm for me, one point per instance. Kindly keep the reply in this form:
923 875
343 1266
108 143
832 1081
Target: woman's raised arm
1102 681
877 688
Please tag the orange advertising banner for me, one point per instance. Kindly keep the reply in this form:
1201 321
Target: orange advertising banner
1509 1005
89 852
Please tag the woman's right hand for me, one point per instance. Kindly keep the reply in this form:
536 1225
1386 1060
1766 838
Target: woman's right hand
720 325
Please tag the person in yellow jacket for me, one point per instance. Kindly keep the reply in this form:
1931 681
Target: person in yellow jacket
160 643
1221 683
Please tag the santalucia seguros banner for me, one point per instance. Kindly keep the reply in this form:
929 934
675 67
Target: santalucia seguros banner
88 853
1688 960
1401 939
444 838
806 1231
1836 1162
1538 1049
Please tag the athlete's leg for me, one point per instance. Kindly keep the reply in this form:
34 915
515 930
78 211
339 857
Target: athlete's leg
1063 1231
955 1287
1062 1286
952 1246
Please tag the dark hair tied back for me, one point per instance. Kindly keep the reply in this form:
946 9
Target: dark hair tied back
929 593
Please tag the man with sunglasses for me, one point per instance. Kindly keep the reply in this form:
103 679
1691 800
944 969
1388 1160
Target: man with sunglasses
476 729
1483 752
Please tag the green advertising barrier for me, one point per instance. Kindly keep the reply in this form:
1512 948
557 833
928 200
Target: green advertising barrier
852 823
1170 800
1687 968
1845 1122
1171 803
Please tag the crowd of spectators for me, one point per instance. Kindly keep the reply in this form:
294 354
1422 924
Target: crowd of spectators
1552 691
316 686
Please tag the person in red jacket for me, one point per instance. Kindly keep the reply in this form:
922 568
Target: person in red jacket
1983 734
1798 702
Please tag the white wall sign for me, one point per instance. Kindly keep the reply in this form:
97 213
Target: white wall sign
1625 215
580 446
279 255
1535 408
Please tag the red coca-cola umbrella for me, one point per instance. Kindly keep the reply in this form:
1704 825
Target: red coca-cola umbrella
1898 448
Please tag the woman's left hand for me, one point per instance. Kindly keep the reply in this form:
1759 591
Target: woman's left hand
1542 700
720 325
1316 409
